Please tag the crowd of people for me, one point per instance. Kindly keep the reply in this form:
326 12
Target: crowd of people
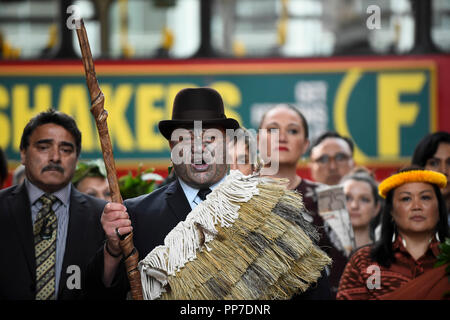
64 215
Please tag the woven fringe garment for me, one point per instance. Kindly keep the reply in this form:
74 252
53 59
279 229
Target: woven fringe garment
247 240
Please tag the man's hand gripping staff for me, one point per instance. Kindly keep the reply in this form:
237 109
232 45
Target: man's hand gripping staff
114 218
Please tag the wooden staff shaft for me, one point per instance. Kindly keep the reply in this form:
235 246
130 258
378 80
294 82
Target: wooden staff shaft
100 114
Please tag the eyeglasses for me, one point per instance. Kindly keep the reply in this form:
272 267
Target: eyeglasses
339 158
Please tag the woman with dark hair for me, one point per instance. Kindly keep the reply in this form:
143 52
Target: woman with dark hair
363 203
293 142
90 178
401 264
433 153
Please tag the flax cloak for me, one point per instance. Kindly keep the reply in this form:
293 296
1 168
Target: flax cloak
247 240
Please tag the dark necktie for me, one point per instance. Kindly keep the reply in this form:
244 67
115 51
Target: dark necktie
202 193
45 230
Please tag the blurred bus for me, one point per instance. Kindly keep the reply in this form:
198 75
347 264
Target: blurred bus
374 71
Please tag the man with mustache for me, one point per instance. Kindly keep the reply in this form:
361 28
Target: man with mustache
196 136
49 229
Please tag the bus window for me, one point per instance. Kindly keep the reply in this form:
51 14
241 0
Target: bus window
154 29
395 33
28 29
441 24
303 28
118 29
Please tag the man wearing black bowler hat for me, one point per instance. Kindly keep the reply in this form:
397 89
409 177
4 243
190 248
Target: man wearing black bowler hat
198 115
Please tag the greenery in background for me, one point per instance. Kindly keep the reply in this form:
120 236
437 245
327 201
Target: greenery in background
91 168
143 183
444 258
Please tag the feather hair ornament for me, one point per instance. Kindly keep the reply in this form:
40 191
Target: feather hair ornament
247 240
400 178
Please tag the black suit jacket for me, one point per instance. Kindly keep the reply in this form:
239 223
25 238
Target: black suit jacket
153 216
18 266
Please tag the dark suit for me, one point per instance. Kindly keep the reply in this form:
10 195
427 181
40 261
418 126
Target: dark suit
18 266
153 216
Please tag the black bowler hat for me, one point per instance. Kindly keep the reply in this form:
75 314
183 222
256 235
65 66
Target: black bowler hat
199 104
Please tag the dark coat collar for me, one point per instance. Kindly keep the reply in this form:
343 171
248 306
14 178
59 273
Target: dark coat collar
21 211
177 201
76 230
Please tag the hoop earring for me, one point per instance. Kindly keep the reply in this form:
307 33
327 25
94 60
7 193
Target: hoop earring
437 236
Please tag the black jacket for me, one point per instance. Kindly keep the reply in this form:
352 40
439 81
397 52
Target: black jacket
18 266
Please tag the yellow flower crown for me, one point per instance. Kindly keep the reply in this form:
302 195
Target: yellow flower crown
411 176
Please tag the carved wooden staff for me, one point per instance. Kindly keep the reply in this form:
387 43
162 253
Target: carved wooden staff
100 114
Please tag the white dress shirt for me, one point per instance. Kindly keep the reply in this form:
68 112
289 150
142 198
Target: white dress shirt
191 193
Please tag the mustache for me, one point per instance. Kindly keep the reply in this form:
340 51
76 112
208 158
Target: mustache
53 167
